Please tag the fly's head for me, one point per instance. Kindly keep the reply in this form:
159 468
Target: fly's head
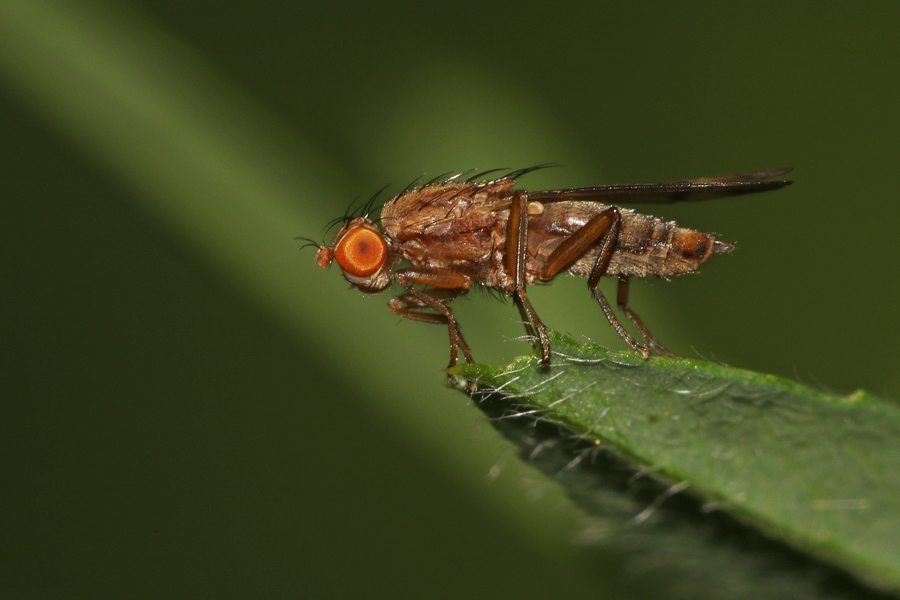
362 253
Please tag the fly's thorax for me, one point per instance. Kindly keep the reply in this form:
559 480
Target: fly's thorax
362 253
449 226
432 209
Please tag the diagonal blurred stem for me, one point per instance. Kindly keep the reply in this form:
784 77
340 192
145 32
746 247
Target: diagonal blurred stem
201 158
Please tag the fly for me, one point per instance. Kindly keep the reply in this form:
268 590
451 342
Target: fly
458 233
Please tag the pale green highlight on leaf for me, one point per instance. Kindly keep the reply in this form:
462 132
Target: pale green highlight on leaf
814 470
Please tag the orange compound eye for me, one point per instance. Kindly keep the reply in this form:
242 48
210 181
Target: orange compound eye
361 252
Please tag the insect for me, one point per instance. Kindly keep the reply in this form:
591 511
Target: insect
457 233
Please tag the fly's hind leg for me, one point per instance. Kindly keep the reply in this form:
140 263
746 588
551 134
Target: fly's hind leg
604 228
446 286
622 301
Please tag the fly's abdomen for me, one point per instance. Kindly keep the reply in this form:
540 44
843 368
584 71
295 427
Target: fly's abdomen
647 246
650 247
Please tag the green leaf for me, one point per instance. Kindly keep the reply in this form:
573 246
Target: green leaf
817 471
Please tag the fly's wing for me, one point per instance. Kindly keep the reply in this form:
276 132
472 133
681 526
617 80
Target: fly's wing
675 191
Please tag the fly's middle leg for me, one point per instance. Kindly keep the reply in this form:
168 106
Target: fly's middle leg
516 260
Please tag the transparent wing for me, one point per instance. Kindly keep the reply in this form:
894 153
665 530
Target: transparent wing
690 190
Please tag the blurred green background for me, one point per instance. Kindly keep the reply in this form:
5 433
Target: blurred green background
192 406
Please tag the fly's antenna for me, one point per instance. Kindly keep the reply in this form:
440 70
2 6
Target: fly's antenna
526 171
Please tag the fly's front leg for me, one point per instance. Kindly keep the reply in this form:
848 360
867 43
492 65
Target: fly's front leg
605 228
516 258
622 301
447 286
